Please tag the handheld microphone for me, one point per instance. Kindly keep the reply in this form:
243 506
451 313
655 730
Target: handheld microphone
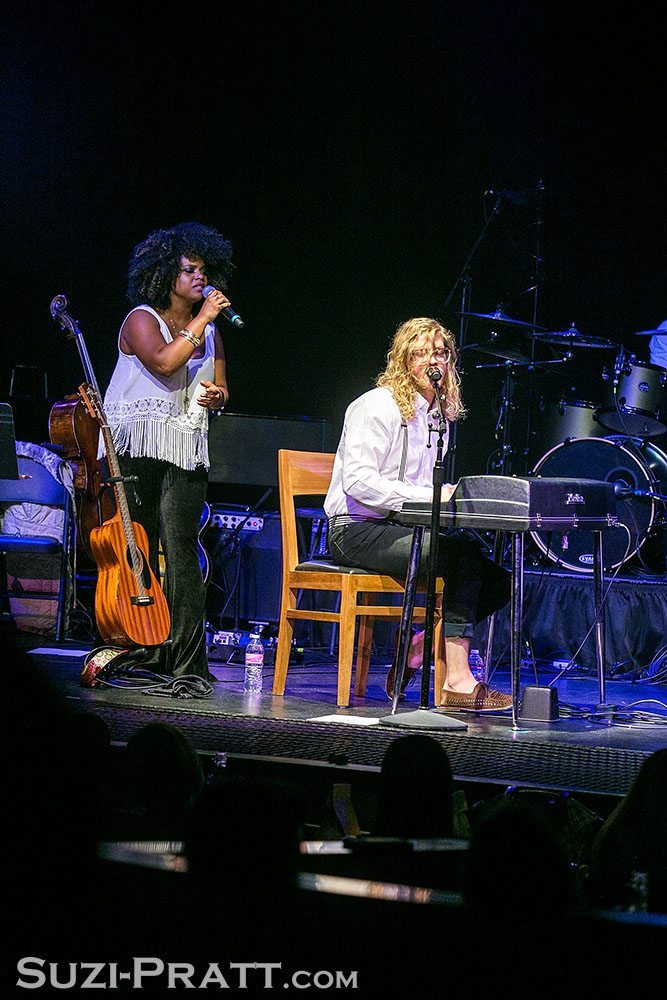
228 312
434 373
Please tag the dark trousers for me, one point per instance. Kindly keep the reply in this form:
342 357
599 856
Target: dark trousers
168 501
475 586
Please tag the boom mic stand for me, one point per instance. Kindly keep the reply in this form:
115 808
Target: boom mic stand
423 718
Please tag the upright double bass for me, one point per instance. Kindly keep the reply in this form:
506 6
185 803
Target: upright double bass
76 435
130 606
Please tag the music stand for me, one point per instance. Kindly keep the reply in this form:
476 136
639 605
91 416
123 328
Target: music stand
423 718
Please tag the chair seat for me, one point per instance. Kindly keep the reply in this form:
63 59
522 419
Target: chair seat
29 543
326 566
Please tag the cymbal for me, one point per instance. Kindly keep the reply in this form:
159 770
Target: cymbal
661 331
499 317
508 353
572 338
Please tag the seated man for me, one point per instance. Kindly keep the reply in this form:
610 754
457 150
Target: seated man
385 458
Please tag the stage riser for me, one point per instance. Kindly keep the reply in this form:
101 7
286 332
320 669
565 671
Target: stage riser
558 615
486 760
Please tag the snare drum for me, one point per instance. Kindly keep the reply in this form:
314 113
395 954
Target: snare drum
638 406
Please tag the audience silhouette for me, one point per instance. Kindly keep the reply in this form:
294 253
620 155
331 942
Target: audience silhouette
160 778
242 852
629 862
416 791
241 897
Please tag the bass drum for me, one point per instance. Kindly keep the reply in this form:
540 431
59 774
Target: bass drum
637 465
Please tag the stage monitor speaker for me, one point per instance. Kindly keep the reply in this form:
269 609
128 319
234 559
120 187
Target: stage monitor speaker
539 704
243 448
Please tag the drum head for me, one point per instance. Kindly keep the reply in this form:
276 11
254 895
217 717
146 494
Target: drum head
610 461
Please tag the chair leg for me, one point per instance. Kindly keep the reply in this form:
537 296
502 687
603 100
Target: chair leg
284 647
346 646
364 645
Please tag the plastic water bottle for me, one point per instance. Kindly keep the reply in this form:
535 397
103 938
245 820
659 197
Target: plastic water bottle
254 662
476 664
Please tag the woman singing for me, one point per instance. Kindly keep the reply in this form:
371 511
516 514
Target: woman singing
169 374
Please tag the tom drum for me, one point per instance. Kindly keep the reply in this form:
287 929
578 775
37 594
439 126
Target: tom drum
573 418
638 407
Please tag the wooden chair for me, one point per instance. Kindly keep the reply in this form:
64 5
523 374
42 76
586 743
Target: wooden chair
308 474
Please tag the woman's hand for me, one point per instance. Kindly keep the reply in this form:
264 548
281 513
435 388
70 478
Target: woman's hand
213 396
213 304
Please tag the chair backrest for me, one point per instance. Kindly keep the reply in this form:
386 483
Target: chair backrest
300 473
36 486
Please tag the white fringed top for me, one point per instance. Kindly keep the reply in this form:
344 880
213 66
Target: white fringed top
147 412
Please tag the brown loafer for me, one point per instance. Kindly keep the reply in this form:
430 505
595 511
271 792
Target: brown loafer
481 699
409 673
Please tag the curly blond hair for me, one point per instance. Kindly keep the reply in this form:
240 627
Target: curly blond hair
398 378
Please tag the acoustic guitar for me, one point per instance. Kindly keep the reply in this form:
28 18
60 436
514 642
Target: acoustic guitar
130 606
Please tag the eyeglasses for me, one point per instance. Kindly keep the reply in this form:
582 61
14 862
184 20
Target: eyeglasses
440 353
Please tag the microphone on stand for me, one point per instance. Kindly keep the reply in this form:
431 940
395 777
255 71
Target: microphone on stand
434 373
228 312
627 491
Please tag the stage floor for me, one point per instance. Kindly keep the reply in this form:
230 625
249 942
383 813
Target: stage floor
591 748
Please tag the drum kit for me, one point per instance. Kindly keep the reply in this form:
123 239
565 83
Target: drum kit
611 439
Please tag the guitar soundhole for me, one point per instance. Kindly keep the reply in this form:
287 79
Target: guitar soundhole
145 570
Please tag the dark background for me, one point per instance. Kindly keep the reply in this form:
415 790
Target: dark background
345 148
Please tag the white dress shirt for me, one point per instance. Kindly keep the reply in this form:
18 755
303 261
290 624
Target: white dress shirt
365 483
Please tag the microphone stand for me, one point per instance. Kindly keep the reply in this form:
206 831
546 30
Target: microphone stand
423 717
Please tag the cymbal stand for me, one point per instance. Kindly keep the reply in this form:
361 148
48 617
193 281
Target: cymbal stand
464 281
535 289
504 422
502 433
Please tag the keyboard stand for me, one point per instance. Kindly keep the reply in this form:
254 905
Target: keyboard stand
516 612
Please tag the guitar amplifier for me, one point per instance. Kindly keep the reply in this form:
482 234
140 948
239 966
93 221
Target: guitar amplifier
243 448
246 565
246 560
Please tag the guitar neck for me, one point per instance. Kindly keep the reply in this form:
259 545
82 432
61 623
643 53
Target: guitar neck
121 500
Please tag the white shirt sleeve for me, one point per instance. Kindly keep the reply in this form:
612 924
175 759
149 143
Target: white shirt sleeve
366 480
